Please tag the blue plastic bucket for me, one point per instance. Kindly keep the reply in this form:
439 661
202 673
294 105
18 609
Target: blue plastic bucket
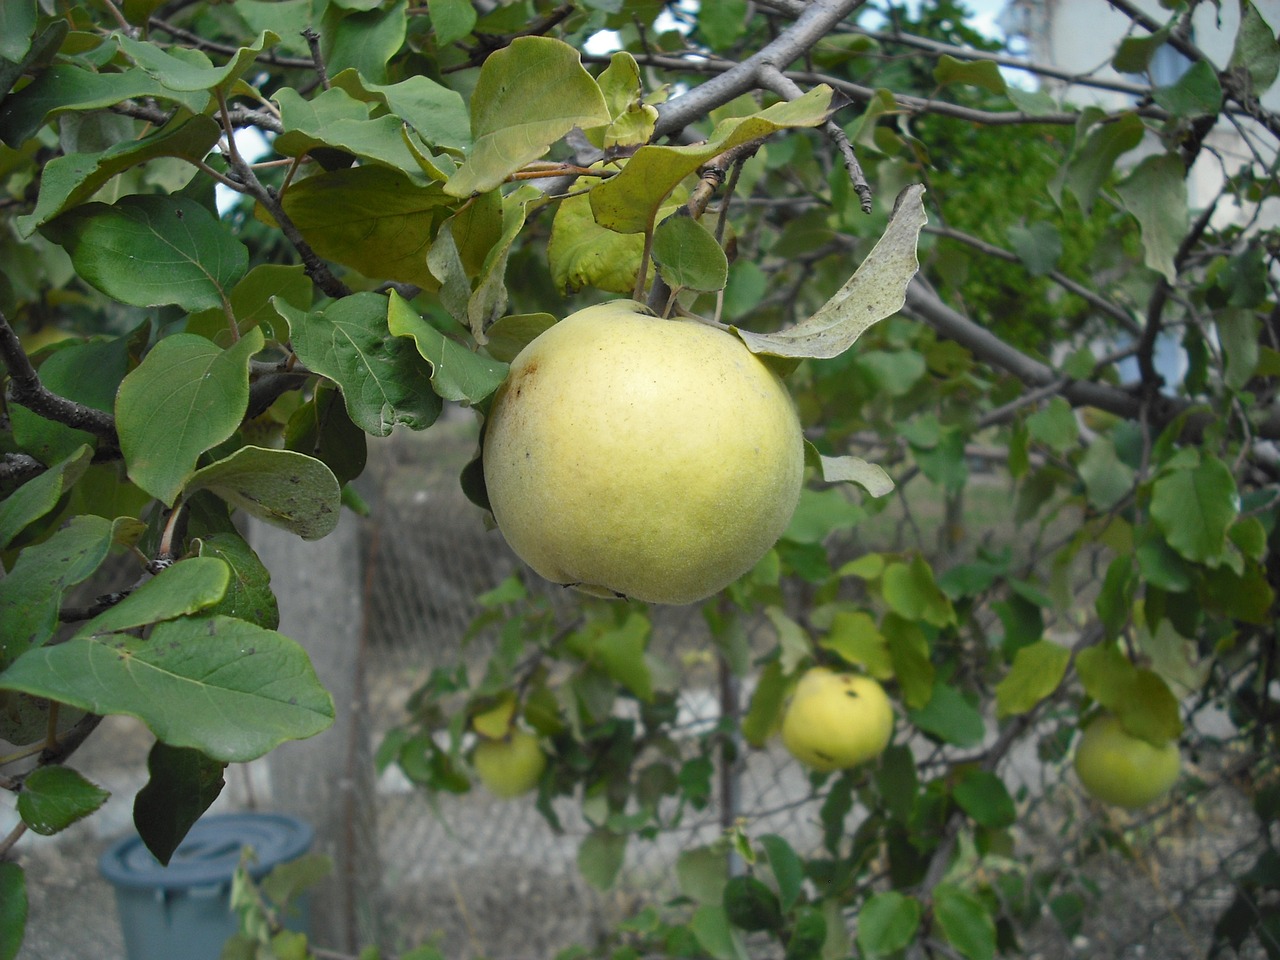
184 909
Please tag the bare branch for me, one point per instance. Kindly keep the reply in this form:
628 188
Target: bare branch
814 23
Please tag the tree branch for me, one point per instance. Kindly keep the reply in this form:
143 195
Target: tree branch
812 25
1111 309
1160 410
26 389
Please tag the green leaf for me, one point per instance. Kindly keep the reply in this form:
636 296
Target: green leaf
809 935
251 304
321 428
372 218
528 96
451 20
856 639
511 334
457 373
1107 479
766 705
17 26
31 593
1156 194
179 590
723 22
984 797
54 797
335 120
1149 708
875 291
74 177
222 686
582 253
1194 507
787 868
489 300
897 782
150 251
384 380
711 927
750 905
950 717
1055 425
1134 53
1238 331
887 923
187 396
1105 673
630 201
621 653
1038 246
600 857
909 650
182 785
964 921
13 909
1037 670
1256 53
65 87
895 372
702 873
1197 93
188 70
978 73
248 595
364 40
437 113
912 593
40 494
281 487
1094 155
688 256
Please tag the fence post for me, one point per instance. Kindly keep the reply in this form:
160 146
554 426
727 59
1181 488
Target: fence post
328 780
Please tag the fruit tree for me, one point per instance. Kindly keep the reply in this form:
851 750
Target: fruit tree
720 282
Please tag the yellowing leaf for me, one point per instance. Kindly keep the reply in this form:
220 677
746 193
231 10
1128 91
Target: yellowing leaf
877 290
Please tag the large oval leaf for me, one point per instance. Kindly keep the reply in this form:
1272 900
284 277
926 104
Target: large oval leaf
151 251
383 379
281 487
222 686
187 395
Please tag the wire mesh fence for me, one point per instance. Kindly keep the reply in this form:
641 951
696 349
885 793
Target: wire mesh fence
482 877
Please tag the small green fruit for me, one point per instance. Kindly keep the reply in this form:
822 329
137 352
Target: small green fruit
632 456
836 720
511 766
1118 768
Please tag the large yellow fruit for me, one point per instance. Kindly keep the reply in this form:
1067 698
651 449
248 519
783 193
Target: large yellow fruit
836 720
1119 768
639 457
510 766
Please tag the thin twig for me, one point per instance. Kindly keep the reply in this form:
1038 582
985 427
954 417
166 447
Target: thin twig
773 79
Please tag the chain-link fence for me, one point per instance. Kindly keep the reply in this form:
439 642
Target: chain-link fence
491 878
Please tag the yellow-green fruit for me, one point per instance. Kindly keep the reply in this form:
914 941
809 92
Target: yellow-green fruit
510 766
1119 768
836 720
633 456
